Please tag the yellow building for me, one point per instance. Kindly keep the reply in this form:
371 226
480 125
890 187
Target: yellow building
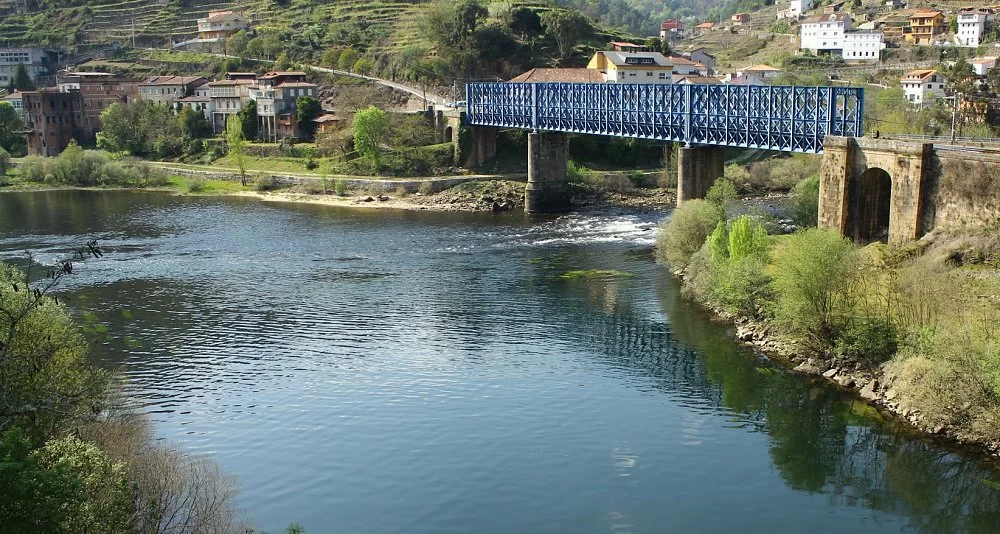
924 27
633 67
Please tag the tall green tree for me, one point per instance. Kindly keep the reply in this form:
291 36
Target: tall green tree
248 120
11 125
237 146
307 108
193 123
140 128
566 27
20 81
369 128
347 59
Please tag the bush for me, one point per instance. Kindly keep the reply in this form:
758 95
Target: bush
738 255
340 187
814 278
265 182
870 339
441 155
781 174
196 185
681 235
739 176
4 162
722 193
426 188
76 166
33 169
805 197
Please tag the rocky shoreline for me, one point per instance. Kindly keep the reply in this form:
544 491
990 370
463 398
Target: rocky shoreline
872 385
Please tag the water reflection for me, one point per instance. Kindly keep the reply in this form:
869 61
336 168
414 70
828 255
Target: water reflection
419 372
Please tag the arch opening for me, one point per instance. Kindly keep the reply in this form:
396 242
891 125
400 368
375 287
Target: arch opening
870 201
448 135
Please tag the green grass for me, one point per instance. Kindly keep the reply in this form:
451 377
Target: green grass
182 184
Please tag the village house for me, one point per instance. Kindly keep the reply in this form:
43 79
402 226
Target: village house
704 27
671 29
220 24
982 65
971 27
169 89
38 63
924 27
740 19
277 94
327 122
557 75
824 34
226 98
701 55
685 67
741 79
921 87
639 67
52 119
619 46
795 9
863 45
765 73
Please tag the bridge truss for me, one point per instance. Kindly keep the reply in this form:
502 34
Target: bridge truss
770 117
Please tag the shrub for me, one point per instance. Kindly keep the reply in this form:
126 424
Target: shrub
76 166
426 188
4 161
870 339
196 184
265 182
805 197
738 176
33 168
311 164
681 235
340 187
575 172
814 278
738 256
722 193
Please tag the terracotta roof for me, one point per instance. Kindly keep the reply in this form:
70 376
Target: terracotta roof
828 17
705 25
577 75
930 13
275 74
171 80
677 60
762 68
16 95
194 98
326 117
216 17
699 80
984 60
296 84
918 74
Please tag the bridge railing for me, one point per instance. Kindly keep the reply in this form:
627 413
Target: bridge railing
771 117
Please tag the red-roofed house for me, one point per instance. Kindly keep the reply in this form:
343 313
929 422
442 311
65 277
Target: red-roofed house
221 24
560 75
920 87
671 29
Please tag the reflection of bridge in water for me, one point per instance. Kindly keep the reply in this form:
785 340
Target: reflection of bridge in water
706 118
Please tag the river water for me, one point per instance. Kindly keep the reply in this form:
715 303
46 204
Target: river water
379 371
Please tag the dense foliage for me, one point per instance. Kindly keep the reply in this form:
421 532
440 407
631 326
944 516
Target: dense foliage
11 125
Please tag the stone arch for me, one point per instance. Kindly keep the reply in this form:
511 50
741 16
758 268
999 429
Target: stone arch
869 197
449 134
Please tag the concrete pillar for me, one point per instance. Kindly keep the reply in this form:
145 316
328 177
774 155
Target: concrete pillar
547 190
482 145
697 169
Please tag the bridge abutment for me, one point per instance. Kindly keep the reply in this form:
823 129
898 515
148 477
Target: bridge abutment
547 190
697 169
482 146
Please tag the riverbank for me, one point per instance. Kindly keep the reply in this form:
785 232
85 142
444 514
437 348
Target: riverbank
911 331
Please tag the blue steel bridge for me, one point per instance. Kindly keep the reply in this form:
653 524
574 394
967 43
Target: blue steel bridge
769 117
705 118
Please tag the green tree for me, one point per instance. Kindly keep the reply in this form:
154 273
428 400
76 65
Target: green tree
283 62
815 275
248 120
566 27
962 77
46 381
237 146
20 81
331 58
193 123
140 128
347 59
806 202
238 43
4 162
686 230
11 125
65 486
307 108
364 66
369 127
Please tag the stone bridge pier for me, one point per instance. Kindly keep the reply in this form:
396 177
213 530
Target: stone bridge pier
547 190
875 189
697 169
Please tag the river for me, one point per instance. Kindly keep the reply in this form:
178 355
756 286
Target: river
384 371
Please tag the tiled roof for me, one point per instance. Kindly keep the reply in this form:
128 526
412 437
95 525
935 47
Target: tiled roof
576 75
171 80
827 17
622 58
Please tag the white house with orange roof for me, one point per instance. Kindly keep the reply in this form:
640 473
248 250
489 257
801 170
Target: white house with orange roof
921 87
221 24
762 72
982 65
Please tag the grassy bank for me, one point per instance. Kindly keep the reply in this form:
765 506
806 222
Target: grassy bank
915 329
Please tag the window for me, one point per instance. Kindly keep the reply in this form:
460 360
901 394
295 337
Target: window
649 74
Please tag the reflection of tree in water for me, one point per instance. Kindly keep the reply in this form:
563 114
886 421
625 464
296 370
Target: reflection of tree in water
820 440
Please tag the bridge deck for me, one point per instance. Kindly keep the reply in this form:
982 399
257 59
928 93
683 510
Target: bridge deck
771 117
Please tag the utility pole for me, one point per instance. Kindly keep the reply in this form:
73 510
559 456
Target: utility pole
954 114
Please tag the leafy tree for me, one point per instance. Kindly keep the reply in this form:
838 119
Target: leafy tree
193 123
452 28
364 66
369 127
140 128
685 232
237 146
525 21
347 59
65 486
46 381
738 255
815 274
248 120
238 43
265 46
20 81
806 199
331 58
566 27
283 62
307 108
4 162
10 127
963 77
